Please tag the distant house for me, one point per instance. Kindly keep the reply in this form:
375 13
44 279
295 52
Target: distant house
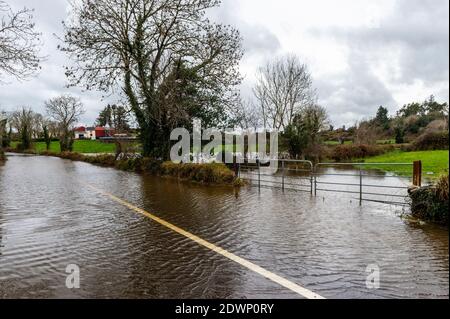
102 132
80 133
92 133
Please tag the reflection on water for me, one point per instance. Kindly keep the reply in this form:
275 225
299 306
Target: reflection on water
49 218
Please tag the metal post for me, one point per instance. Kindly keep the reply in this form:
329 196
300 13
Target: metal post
312 180
283 168
259 174
315 182
360 186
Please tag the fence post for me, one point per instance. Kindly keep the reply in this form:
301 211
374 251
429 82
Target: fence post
417 174
283 168
360 186
312 179
315 180
259 174
239 170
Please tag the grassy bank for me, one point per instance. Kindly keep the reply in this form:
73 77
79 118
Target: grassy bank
79 146
431 203
435 162
211 174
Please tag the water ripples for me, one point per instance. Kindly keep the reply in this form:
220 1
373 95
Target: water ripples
49 218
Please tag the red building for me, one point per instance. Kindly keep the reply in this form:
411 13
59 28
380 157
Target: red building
103 132
92 133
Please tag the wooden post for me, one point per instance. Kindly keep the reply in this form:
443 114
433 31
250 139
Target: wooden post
417 174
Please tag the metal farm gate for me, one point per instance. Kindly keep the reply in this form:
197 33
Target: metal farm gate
363 181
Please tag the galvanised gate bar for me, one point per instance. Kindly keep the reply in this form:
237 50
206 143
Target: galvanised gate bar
364 181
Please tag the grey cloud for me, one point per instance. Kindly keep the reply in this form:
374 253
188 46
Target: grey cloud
418 29
258 39
356 95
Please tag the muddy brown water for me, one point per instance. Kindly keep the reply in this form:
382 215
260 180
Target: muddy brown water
50 218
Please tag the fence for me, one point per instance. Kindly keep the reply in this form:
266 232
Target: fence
357 179
289 174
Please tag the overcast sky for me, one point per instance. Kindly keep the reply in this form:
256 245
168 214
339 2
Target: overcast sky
361 53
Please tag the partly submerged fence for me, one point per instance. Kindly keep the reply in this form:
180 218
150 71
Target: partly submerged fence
284 174
364 181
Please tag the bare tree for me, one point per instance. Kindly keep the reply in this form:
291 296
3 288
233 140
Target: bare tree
66 111
145 48
366 133
283 88
19 43
247 115
23 121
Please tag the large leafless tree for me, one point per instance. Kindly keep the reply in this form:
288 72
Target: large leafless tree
160 53
283 88
19 43
247 115
66 111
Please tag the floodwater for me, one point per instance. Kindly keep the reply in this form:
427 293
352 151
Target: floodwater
51 218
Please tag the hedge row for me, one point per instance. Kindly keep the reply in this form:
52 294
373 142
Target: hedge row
203 173
431 141
350 152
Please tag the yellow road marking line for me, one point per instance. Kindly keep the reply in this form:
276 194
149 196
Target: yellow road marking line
241 261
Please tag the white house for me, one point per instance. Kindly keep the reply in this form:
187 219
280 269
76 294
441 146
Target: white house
85 133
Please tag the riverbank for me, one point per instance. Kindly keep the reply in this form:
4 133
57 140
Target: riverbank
430 203
210 174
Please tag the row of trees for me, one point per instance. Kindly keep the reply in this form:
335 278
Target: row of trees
171 64
63 113
166 58
411 121
287 102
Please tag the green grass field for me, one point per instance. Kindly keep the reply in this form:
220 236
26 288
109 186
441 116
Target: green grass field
79 146
435 162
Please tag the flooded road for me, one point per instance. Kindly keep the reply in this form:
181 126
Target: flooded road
50 217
